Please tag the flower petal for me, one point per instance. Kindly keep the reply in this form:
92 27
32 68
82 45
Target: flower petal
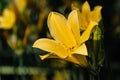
20 4
75 5
86 33
44 56
8 19
50 55
57 24
81 50
83 21
96 14
81 59
73 22
77 59
72 59
51 46
86 9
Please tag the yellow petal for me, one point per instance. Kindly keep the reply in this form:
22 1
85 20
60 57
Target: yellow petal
8 19
77 59
86 34
82 50
51 46
72 59
20 4
81 59
86 9
44 56
85 15
50 55
96 14
75 5
83 21
57 24
73 22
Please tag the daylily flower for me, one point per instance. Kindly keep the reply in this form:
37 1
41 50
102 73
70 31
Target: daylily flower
67 44
20 4
86 15
8 19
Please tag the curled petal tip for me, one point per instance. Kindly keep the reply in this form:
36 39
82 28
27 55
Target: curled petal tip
51 13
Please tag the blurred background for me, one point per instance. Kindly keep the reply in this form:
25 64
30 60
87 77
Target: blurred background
24 21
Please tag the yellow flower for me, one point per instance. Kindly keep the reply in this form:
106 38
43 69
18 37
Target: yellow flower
75 5
20 4
68 44
86 15
8 19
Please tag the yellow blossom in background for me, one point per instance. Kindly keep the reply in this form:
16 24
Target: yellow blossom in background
20 4
86 15
75 5
8 19
58 76
68 44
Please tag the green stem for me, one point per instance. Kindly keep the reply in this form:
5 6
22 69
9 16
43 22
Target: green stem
92 77
96 48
